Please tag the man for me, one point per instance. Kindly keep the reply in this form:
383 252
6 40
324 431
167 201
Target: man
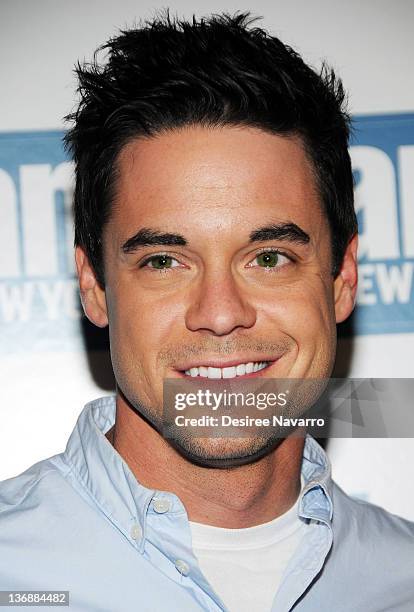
216 236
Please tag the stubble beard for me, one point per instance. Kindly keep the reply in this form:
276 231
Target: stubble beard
210 452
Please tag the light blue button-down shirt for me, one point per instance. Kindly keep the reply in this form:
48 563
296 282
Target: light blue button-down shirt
79 521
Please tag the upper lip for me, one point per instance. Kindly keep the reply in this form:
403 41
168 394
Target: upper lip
218 363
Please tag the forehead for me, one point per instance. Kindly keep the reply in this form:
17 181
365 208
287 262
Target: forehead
222 177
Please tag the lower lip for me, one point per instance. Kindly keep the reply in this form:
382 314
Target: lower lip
251 375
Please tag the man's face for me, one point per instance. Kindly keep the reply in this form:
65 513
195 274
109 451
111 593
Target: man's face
243 274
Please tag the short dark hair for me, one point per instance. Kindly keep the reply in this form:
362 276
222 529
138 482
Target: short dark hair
212 72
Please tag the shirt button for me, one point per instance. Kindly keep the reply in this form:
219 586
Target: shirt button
136 532
182 567
161 505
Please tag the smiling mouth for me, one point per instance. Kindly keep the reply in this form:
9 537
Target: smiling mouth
235 371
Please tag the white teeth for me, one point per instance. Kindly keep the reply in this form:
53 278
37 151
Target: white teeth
230 372
214 372
241 369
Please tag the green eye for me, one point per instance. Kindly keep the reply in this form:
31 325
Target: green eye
268 259
161 262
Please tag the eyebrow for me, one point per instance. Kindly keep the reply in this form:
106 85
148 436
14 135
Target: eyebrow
148 237
289 232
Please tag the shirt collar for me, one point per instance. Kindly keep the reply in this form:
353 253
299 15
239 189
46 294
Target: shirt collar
108 480
102 472
316 496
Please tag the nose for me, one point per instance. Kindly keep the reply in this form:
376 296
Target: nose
218 306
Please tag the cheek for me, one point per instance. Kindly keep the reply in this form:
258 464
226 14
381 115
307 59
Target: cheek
138 331
140 325
304 312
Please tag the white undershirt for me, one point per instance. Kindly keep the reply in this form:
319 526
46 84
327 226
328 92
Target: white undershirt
245 566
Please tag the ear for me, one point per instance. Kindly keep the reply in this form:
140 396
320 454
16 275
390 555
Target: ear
346 283
92 295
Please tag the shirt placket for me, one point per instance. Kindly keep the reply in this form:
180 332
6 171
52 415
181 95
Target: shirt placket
304 566
168 548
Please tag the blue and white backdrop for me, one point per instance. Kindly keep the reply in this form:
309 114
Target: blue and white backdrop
52 362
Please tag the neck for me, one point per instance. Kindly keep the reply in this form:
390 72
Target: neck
233 498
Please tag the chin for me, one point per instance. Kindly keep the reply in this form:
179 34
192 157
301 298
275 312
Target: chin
225 453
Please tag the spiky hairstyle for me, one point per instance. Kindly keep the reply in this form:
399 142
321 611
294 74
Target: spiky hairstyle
215 71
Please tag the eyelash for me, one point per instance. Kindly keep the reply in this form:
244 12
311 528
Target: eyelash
278 252
273 250
146 261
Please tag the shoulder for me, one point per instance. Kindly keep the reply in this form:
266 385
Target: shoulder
36 487
37 508
366 536
368 520
370 565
